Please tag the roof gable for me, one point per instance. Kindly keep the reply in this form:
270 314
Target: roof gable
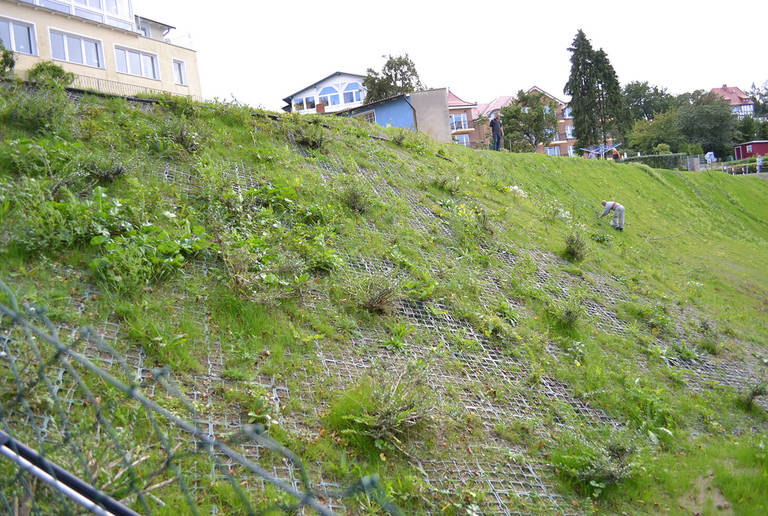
354 75
734 95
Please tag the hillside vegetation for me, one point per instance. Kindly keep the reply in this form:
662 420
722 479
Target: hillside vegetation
458 322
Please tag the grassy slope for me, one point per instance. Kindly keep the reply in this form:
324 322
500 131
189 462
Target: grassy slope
693 257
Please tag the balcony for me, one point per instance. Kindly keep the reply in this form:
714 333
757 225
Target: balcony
460 125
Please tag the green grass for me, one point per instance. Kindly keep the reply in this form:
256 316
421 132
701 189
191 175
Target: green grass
283 284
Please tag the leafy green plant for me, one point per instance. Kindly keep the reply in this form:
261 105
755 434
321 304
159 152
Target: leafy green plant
45 112
148 254
592 467
397 334
46 224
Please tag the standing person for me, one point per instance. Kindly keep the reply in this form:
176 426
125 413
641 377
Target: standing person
618 214
496 131
759 163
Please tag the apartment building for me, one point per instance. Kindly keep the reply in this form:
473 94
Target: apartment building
460 115
102 42
563 139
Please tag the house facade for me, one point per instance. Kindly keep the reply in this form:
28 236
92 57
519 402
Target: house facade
102 42
337 92
563 140
741 105
751 149
461 121
425 111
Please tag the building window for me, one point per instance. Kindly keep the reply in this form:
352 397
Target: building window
553 151
569 132
459 121
749 148
310 102
76 49
179 72
17 36
137 63
329 96
461 139
571 152
352 93
298 104
145 30
368 116
568 113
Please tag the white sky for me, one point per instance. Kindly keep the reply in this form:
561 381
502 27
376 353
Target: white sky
262 51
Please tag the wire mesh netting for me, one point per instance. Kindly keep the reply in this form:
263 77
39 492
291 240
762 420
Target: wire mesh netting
86 424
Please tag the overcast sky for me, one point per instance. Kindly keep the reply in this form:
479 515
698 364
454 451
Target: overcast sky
262 51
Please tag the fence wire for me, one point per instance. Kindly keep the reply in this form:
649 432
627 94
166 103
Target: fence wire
77 435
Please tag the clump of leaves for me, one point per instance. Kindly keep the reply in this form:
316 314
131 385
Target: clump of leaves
592 467
46 224
567 312
378 294
448 184
383 411
355 198
397 334
149 254
49 74
575 246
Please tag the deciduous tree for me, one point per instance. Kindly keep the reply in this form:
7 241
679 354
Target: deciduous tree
709 122
644 102
530 120
398 75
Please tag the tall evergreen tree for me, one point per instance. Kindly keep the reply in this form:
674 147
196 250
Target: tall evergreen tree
597 103
581 86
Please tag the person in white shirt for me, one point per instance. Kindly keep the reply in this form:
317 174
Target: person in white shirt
618 214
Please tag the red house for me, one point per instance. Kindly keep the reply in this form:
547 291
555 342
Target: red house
751 149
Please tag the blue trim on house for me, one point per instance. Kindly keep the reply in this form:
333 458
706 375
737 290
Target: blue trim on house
289 98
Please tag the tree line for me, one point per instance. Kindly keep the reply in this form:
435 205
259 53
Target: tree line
641 117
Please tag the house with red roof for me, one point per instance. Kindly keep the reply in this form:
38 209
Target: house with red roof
740 102
563 140
460 115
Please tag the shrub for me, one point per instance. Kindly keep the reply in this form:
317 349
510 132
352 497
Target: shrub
566 312
355 198
575 246
383 411
378 294
747 399
50 75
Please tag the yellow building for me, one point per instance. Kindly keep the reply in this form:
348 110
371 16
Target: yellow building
106 46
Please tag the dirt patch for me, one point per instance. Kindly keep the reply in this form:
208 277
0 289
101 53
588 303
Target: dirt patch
706 498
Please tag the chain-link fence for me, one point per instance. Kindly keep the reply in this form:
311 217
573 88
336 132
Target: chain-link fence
84 426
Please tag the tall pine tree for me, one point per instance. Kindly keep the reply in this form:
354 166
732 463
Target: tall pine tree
597 103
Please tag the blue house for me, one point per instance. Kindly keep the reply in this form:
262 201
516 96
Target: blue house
396 111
